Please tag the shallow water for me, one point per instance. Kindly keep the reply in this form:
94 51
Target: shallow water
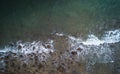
93 54
58 33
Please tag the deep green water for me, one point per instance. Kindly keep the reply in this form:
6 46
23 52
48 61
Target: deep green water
36 19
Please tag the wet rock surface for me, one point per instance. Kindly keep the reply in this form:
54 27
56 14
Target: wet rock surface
63 55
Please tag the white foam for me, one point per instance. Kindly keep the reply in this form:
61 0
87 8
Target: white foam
59 34
112 36
73 40
93 40
93 49
27 47
108 37
92 52
3 51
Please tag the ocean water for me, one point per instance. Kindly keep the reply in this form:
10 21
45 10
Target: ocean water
34 20
42 27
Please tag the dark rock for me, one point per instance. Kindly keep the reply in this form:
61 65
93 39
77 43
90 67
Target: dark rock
79 49
33 65
112 45
24 65
44 62
33 48
21 56
50 53
36 58
7 57
14 54
31 58
18 67
12 64
36 51
48 46
63 64
43 56
61 69
36 70
71 62
6 62
19 47
74 53
40 66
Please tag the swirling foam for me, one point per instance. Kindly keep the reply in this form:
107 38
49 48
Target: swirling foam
93 49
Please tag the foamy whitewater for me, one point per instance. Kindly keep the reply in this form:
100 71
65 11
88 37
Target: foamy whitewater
30 47
92 50
108 37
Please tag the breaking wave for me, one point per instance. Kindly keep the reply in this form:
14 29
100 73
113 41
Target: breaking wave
92 50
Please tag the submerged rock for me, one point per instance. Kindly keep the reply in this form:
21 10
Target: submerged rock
19 46
79 49
74 53
61 69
